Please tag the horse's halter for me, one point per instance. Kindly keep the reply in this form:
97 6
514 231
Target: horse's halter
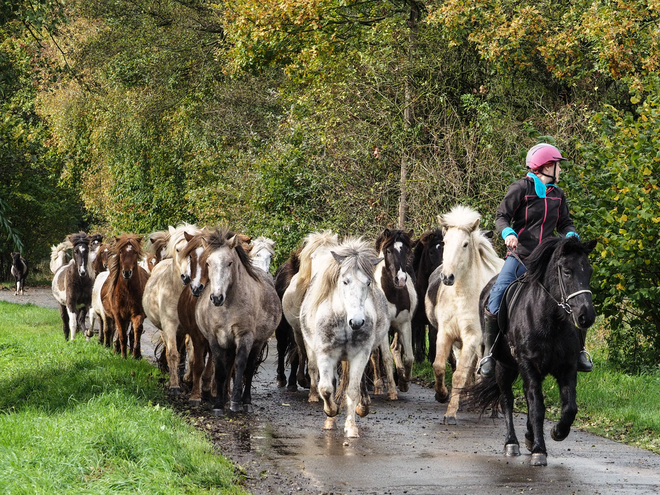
564 304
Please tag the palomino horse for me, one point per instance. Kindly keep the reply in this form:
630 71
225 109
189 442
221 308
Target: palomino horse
314 245
427 256
394 276
200 373
452 300
122 292
59 255
239 316
19 270
543 336
72 287
161 296
343 318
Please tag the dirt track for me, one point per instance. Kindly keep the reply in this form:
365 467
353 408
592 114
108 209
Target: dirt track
403 447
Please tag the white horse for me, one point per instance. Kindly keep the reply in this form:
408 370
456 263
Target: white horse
262 252
314 245
161 296
239 316
452 299
344 318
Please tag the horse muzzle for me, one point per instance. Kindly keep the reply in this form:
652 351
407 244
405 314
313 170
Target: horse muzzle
197 291
185 279
217 300
356 323
127 274
448 279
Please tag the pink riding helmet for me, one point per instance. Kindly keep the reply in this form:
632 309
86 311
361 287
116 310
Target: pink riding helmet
541 154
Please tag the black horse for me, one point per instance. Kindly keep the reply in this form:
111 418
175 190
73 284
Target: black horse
19 269
543 336
427 256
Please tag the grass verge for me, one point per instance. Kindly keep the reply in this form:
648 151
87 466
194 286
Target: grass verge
612 404
75 418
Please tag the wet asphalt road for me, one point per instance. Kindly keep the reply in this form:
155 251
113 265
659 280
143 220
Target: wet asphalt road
405 449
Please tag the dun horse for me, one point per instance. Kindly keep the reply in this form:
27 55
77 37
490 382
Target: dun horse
72 286
543 316
452 300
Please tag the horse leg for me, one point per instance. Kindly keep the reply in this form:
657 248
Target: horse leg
64 313
362 408
505 379
138 322
313 377
208 375
418 330
532 384
220 358
282 337
355 371
169 336
464 370
387 361
567 384
395 349
443 348
197 365
73 322
243 350
405 341
378 376
433 337
122 336
250 368
295 363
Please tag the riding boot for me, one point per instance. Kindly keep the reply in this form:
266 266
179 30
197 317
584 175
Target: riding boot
585 364
491 329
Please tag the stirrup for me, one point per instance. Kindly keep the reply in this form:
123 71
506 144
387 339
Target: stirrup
484 368
585 363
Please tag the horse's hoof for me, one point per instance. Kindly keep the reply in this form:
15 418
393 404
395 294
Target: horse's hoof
449 420
393 396
379 390
195 402
247 408
330 424
292 388
281 383
331 411
512 449
361 410
218 412
539 459
235 406
441 397
555 436
313 398
351 432
175 391
404 386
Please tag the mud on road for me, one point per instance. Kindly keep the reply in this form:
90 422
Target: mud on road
403 447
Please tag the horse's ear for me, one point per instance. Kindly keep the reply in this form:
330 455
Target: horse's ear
488 233
233 242
338 257
590 245
475 225
171 229
410 233
116 239
187 236
375 261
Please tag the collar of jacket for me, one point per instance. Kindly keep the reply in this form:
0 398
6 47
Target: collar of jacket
539 186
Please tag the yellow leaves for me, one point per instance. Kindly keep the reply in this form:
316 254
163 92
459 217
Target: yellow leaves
647 171
624 218
620 286
603 253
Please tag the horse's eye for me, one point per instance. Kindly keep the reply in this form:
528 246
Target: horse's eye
229 264
345 282
368 283
465 245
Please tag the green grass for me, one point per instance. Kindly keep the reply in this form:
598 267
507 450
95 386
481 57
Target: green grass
612 404
76 418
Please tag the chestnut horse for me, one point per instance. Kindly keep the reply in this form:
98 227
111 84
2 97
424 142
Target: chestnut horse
122 292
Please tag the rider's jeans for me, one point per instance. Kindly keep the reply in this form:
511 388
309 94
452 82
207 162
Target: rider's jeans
511 270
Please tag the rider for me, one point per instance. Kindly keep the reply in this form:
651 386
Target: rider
533 208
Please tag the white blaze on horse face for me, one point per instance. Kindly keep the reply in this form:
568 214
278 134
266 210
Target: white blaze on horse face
398 246
82 253
197 281
354 289
221 265
456 255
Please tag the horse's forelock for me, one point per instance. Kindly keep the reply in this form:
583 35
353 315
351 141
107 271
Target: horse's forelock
462 217
389 237
221 237
133 240
157 241
195 242
79 238
177 234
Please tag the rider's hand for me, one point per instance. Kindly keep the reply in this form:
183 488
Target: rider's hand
511 242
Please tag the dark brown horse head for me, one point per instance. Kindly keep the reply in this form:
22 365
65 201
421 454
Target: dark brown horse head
396 247
80 243
128 248
102 256
196 275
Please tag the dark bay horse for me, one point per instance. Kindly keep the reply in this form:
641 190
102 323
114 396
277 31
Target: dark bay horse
427 256
543 336
122 292
19 269
72 286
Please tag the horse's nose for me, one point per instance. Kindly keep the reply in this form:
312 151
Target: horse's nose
185 279
356 323
217 300
401 280
448 279
197 291
127 274
586 318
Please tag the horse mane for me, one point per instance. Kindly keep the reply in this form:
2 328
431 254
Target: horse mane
157 241
541 257
311 243
262 242
177 234
357 253
62 247
135 241
486 251
220 237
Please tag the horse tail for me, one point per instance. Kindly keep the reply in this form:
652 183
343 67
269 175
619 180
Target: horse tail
484 394
55 251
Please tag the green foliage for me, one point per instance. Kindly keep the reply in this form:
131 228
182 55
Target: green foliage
619 203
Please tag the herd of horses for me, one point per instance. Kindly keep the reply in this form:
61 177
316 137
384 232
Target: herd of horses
346 313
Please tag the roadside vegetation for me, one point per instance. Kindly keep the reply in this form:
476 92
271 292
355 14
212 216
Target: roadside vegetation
76 419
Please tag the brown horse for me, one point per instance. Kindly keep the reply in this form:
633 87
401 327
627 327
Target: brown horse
122 292
202 372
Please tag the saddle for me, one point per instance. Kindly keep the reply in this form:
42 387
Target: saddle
509 300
